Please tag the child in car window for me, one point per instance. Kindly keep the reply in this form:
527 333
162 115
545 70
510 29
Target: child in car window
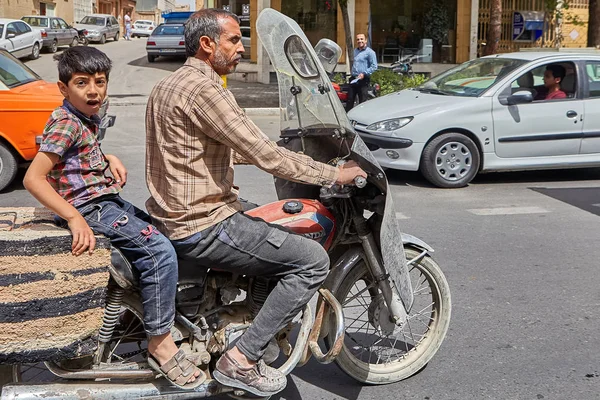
553 77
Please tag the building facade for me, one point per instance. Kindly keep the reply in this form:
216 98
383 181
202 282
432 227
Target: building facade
18 8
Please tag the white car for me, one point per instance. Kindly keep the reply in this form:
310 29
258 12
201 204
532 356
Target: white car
489 114
142 27
19 39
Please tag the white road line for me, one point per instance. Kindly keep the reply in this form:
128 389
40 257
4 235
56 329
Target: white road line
399 215
507 210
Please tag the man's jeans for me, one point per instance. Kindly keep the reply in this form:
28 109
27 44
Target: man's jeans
151 254
250 246
359 88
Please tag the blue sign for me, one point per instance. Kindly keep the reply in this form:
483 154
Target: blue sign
518 25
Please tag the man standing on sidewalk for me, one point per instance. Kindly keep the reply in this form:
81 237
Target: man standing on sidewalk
365 63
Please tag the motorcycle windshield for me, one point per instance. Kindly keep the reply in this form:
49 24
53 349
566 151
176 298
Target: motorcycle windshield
313 121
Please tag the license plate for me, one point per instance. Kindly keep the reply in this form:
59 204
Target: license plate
167 50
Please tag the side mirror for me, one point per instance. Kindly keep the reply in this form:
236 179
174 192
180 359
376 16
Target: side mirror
10 35
76 22
520 97
107 122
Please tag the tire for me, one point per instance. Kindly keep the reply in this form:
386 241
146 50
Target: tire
53 47
86 41
451 160
103 39
8 166
74 42
116 38
429 314
35 51
151 58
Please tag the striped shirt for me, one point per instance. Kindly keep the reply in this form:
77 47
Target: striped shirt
195 131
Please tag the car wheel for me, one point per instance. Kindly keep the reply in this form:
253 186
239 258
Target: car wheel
451 160
103 39
53 47
151 58
8 166
35 51
116 38
74 42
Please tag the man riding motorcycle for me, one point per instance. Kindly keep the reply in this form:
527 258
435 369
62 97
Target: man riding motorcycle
195 133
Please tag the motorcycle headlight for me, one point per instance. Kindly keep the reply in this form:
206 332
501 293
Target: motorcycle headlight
389 124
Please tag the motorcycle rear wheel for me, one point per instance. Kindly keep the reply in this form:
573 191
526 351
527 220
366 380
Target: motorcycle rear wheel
374 357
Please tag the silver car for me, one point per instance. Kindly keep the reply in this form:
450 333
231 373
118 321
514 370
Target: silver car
55 31
166 40
19 39
489 114
100 27
142 27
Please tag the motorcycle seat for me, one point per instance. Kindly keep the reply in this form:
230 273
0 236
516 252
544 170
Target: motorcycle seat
122 271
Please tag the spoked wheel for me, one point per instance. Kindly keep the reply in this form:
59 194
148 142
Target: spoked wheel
128 345
375 351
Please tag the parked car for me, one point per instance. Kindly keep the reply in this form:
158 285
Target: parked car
55 31
166 40
100 27
19 39
142 27
26 102
488 114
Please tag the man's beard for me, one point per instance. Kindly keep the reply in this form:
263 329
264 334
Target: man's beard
221 65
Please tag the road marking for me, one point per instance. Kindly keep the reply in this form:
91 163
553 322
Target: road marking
507 210
399 215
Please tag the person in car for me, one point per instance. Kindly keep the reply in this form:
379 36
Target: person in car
553 77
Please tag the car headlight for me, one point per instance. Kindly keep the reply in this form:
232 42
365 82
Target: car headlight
389 124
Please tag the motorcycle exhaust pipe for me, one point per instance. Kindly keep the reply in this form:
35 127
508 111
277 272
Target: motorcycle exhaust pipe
88 390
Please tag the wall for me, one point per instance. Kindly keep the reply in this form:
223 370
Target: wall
18 8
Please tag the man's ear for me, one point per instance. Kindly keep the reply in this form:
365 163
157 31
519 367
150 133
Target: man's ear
63 88
207 45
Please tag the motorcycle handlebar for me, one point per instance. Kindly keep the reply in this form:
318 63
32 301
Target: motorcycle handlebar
360 182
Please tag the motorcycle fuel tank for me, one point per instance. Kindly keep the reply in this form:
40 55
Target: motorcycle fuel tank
302 216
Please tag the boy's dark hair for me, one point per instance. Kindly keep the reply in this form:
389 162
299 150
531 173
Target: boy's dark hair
81 59
558 71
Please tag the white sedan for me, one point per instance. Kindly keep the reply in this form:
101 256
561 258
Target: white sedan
489 114
142 27
19 39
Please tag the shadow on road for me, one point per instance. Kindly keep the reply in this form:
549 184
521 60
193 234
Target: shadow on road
166 63
587 199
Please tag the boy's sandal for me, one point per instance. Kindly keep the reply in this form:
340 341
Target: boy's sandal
178 370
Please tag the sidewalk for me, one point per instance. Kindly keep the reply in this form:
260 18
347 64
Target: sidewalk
255 95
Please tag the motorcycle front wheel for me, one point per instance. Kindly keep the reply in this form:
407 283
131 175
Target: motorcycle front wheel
376 352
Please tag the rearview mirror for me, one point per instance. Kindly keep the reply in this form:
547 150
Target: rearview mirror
520 97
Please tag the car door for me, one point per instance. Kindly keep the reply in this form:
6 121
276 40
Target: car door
65 33
16 42
54 32
29 37
115 26
591 122
540 128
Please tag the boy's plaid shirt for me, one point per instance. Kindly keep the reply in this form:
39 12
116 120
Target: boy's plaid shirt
80 174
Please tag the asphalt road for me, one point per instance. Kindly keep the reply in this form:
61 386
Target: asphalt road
518 249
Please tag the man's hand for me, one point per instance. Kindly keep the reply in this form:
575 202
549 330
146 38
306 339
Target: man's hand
83 237
348 172
361 76
117 169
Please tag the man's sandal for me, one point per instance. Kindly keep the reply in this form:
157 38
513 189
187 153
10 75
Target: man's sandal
178 370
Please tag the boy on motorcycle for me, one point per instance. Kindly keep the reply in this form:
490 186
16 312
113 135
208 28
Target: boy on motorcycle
195 132
68 176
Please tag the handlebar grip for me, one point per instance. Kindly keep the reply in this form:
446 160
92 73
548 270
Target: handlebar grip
360 182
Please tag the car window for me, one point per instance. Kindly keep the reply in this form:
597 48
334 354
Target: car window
114 21
36 21
168 30
472 78
22 27
592 71
13 73
11 28
142 23
1 30
533 81
54 24
62 24
93 21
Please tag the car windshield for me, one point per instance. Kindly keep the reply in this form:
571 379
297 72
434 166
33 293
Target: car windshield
92 21
36 21
13 73
1 30
472 78
169 30
143 23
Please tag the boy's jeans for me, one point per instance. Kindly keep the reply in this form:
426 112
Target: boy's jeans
151 254
250 246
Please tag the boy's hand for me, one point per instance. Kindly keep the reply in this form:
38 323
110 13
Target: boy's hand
83 237
117 169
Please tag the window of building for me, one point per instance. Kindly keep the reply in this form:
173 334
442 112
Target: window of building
592 70
317 18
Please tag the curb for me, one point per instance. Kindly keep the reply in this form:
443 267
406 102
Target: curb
258 111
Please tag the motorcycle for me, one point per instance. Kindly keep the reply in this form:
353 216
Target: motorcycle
82 37
382 312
